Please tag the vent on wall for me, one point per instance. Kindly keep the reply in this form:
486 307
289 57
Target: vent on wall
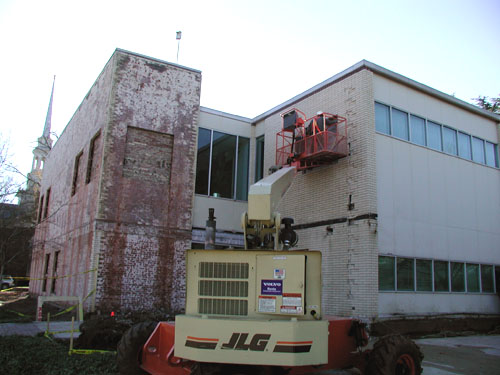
208 287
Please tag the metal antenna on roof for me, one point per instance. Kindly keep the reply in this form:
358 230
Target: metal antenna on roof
178 37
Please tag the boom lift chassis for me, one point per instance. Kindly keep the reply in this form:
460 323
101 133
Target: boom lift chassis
258 310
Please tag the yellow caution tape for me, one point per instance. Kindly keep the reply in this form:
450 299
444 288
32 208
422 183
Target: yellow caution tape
66 310
72 307
18 313
53 277
55 332
6 290
92 292
89 351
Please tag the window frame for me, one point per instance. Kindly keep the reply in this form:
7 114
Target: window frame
389 118
428 125
76 170
91 155
447 130
393 123
235 168
259 157
469 138
412 116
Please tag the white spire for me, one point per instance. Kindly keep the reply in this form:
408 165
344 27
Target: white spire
48 119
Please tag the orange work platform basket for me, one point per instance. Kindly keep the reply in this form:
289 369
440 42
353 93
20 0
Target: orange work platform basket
310 142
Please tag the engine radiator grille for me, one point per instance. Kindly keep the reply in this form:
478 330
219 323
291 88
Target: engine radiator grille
223 306
222 287
219 270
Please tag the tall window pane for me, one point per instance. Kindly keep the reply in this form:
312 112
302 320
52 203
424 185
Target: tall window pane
417 130
457 277
385 273
203 161
259 158
473 278
382 119
242 175
400 124
424 275
487 278
491 155
405 274
434 135
464 147
223 165
478 150
449 140
441 278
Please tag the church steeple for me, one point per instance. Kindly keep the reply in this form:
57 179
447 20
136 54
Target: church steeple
44 142
48 119
41 151
29 197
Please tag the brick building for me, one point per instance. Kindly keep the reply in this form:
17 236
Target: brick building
408 222
115 207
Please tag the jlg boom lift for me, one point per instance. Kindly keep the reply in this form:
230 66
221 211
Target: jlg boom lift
258 310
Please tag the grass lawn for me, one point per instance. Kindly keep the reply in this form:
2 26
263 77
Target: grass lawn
40 355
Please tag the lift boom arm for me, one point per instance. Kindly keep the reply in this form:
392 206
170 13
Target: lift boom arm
262 221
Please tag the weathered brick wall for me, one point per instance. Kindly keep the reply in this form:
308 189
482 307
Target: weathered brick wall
145 204
132 220
350 252
69 225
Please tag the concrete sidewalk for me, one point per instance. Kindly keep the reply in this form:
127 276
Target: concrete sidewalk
461 355
34 328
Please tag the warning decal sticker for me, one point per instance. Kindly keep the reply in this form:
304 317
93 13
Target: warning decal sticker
267 304
292 299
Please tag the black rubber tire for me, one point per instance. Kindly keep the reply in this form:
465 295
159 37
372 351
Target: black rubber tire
4 286
395 355
130 346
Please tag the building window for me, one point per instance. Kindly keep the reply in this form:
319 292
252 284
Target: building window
434 136
424 275
449 140
386 273
222 165
47 199
75 173
487 279
405 274
418 130
40 209
491 154
203 161
464 147
478 150
45 272
457 277
400 124
242 168
259 158
473 278
441 278
54 271
392 121
382 119
92 151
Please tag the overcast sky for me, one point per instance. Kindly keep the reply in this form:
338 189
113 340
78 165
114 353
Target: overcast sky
253 54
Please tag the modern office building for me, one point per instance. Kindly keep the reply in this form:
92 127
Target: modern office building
408 221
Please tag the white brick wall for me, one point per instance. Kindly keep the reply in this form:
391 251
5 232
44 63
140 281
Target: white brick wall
350 262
